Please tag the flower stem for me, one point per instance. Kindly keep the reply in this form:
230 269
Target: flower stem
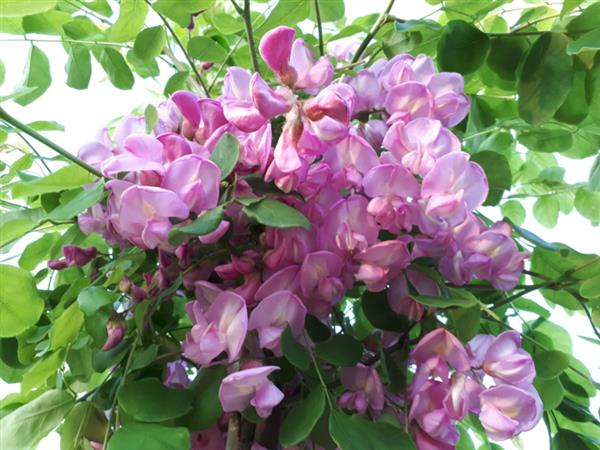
320 28
37 136
373 31
245 13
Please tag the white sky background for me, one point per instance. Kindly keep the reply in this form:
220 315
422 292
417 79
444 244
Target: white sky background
84 112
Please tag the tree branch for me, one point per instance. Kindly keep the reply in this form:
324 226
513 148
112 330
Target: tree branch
38 137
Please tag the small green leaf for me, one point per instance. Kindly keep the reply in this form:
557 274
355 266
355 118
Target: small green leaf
49 22
302 418
116 68
17 223
79 67
38 251
205 223
2 73
84 421
331 10
144 357
341 350
93 298
78 204
588 204
274 213
568 440
594 178
551 392
150 42
546 140
466 322
293 351
550 364
176 83
59 180
43 369
505 56
498 173
20 303
46 125
514 211
150 117
181 11
462 47
545 211
145 68
286 12
37 75
378 312
145 436
149 400
458 297
26 426
132 14
357 433
590 288
545 78
203 48
66 327
19 8
206 406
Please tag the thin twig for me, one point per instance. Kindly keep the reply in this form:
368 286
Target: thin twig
246 16
320 28
38 137
373 31
590 318
32 148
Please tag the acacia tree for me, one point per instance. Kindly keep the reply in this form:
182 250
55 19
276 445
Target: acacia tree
286 251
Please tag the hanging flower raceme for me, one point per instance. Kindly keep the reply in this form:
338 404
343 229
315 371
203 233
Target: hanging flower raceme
269 203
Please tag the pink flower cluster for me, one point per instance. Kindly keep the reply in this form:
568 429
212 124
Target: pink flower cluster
450 382
370 161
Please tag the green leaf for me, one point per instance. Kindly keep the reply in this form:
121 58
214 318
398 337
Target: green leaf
377 310
286 12
49 22
462 48
545 211
38 251
226 22
274 213
79 67
144 357
14 224
586 42
46 125
23 428
20 304
550 364
93 298
2 73
206 406
138 436
66 327
226 154
590 288
594 179
150 117
575 108
293 351
505 56
150 42
545 78
356 433
36 75
175 83
116 68
546 140
43 369
181 10
19 8
466 322
81 27
588 204
458 297
341 350
84 421
132 14
514 211
593 90
145 68
205 223
331 10
568 440
588 20
65 178
302 418
149 400
78 204
204 48
551 392
497 170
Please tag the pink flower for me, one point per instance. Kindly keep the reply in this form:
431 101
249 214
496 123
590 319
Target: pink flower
454 187
221 328
399 296
450 104
350 159
97 151
273 314
504 359
115 331
408 101
329 113
177 377
369 94
74 256
381 263
195 180
418 144
248 102
293 62
365 390
140 153
250 387
320 281
508 410
343 49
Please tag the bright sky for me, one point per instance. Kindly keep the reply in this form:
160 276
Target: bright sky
83 112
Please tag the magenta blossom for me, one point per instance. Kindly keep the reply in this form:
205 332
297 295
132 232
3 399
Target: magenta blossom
364 390
273 314
221 328
115 331
381 263
250 387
